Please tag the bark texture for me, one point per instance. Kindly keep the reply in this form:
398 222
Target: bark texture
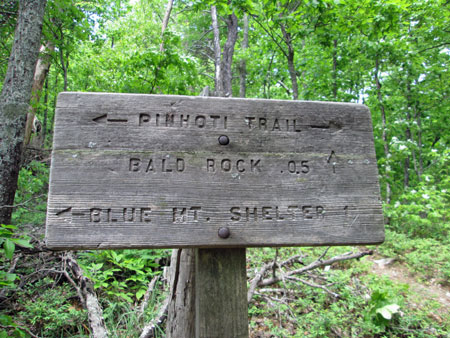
243 62
181 311
224 60
165 23
40 74
88 298
15 99
290 59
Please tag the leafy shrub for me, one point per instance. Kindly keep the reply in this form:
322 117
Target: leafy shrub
426 256
31 194
424 211
53 311
8 241
122 274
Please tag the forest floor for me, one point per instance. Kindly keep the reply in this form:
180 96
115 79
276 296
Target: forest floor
421 290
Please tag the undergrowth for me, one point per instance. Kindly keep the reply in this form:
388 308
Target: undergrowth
37 298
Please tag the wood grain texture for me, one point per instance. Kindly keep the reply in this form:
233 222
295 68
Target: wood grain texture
221 293
137 171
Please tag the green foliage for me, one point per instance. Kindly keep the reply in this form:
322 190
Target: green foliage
8 242
31 194
13 329
369 306
427 256
53 311
122 274
424 211
115 46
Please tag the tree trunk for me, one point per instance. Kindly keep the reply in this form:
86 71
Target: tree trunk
290 59
227 56
335 70
64 65
181 311
243 62
40 74
45 122
223 73
384 127
218 85
165 23
419 143
15 99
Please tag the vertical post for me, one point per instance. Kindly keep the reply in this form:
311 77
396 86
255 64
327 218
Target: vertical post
221 293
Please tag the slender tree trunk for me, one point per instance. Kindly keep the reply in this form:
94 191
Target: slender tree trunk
218 85
223 74
40 74
408 134
227 56
15 98
290 59
419 143
384 127
165 23
243 62
64 66
335 70
44 123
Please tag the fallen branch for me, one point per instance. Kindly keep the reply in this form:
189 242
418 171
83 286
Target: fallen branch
150 329
95 313
259 281
314 285
254 283
21 327
150 288
260 274
314 265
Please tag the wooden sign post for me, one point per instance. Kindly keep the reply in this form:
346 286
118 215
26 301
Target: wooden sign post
154 171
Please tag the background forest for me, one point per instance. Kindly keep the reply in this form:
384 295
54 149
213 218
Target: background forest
391 55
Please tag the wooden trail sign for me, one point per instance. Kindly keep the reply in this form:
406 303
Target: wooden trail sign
160 171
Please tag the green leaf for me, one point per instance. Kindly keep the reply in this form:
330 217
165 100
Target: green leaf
9 247
22 242
387 311
140 293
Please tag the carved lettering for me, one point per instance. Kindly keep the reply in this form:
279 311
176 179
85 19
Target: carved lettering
144 118
183 215
235 211
174 120
184 119
227 165
200 121
95 215
165 165
267 124
276 213
298 168
122 215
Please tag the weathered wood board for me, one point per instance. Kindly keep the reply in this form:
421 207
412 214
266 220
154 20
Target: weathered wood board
143 171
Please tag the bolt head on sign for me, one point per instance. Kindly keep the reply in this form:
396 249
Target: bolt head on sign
162 171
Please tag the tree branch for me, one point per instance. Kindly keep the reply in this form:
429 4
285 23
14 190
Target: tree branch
95 313
259 281
151 287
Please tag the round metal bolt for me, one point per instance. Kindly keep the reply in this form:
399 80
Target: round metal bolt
224 233
224 140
